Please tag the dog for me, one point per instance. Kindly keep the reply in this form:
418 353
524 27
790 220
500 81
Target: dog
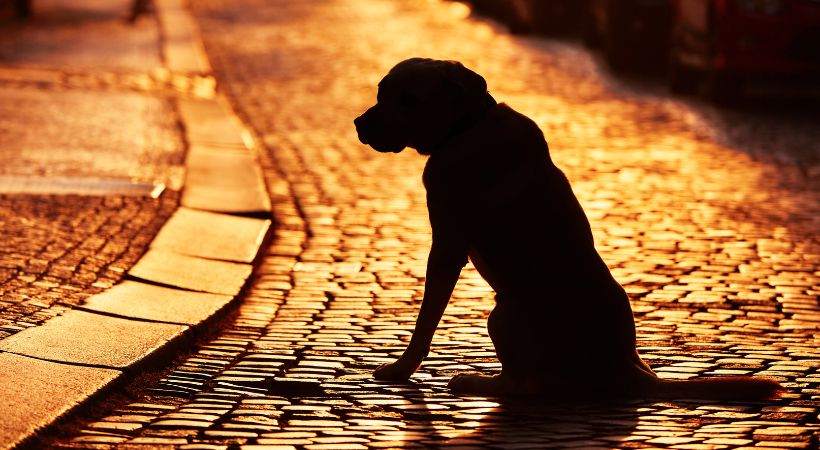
561 323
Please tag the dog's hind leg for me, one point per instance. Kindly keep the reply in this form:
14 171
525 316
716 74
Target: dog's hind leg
500 385
512 340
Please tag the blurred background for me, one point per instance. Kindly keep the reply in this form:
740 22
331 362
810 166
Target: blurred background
717 48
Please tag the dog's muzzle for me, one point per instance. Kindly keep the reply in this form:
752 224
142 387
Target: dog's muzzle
372 132
359 123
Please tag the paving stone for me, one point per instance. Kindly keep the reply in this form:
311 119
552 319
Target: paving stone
224 180
150 302
50 390
267 447
157 441
187 272
204 447
213 236
182 51
85 338
99 439
210 122
116 426
181 423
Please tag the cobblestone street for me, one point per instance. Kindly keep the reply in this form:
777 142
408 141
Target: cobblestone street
701 214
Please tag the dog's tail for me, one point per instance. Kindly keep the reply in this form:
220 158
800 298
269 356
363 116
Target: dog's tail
719 388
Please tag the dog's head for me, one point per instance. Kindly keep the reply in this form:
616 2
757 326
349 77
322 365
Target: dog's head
421 103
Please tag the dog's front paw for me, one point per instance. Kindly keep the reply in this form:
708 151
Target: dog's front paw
399 370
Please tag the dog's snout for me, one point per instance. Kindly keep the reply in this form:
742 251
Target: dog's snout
363 122
375 131
363 126
359 123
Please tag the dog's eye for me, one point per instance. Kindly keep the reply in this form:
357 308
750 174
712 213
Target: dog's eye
408 100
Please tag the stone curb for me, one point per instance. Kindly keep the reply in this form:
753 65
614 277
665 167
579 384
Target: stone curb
195 269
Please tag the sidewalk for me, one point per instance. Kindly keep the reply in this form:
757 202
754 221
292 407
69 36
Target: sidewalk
59 136
132 208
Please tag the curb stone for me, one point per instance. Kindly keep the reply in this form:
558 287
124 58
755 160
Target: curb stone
36 381
193 273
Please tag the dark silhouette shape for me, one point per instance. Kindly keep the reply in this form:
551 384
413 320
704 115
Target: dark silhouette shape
138 8
562 324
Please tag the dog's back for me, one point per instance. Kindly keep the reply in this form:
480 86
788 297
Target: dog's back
529 236
498 182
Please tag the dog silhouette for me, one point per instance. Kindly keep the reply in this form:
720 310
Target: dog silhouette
562 325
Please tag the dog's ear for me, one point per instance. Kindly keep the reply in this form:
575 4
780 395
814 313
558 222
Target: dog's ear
471 86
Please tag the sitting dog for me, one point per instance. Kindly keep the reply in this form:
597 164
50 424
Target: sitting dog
561 322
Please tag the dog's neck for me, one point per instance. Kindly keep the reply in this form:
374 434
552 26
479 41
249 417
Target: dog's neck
472 116
468 120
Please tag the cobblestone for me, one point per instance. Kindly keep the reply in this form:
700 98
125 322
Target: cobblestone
56 251
718 251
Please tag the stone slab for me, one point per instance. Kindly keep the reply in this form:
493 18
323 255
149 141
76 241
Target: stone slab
190 272
182 49
150 302
24 184
81 134
210 122
212 235
81 337
35 393
224 180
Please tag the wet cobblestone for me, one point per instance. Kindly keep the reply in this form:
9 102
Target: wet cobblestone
718 251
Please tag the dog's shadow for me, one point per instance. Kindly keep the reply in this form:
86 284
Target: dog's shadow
441 420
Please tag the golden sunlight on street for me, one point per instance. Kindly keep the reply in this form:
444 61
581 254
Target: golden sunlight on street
713 246
706 214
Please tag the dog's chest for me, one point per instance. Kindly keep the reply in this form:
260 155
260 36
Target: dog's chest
477 180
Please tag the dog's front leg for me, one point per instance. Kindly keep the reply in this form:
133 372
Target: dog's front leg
443 268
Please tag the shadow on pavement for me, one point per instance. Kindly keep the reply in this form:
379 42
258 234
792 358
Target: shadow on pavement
522 423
